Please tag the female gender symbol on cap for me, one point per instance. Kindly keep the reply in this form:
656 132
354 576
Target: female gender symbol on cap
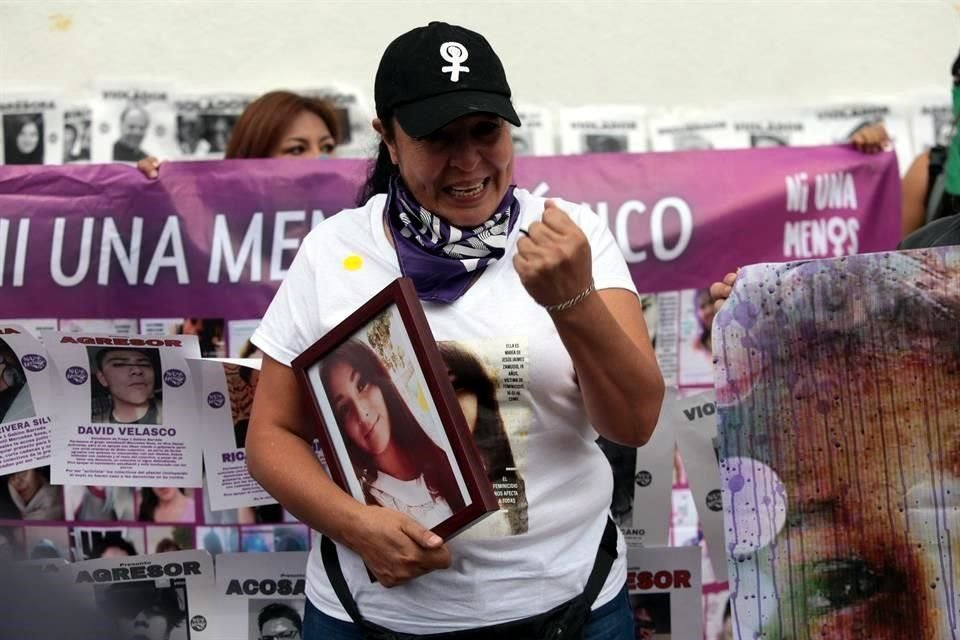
454 53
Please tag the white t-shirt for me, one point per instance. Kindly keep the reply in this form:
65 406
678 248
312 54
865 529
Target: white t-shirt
411 497
568 483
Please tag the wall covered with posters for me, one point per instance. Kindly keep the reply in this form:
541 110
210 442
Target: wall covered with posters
570 53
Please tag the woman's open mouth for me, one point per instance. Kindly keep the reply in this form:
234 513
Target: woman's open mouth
467 191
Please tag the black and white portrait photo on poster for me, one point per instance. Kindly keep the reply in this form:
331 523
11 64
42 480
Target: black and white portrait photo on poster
23 138
536 136
77 134
205 122
389 422
133 120
31 125
275 619
133 400
604 143
602 129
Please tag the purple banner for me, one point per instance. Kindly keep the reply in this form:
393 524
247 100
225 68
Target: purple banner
213 239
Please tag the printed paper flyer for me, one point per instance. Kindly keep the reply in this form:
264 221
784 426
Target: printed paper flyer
260 595
27 398
129 413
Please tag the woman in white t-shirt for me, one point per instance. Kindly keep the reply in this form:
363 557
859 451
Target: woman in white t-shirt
543 279
398 465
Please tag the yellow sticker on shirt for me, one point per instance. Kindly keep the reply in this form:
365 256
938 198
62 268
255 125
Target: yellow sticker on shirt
352 262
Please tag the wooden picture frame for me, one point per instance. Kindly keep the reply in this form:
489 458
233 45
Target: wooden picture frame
377 389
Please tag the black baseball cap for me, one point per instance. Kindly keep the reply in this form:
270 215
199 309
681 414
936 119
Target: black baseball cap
432 75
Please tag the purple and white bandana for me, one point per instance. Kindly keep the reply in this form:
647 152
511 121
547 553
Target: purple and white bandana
440 258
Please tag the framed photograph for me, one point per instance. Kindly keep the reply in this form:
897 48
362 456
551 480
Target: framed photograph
388 419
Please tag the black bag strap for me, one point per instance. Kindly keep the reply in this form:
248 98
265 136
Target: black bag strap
606 555
935 165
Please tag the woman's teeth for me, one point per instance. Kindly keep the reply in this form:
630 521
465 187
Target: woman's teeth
467 192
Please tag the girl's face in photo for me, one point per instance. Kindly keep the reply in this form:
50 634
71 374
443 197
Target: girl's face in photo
166 494
360 408
29 138
26 483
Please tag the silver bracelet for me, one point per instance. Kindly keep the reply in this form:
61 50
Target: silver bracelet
572 302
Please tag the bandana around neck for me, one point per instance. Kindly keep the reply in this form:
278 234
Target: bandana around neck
440 258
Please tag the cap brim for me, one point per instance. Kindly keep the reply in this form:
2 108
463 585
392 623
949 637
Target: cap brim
423 117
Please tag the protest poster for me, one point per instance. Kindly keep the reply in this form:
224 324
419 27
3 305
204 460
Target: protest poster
167 595
837 123
602 129
648 481
107 326
536 134
239 333
767 126
259 595
32 128
27 401
133 120
664 587
933 122
695 419
225 393
77 133
354 115
692 130
129 412
210 332
205 122
839 414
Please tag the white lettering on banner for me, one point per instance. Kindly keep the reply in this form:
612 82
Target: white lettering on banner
222 249
170 235
317 218
112 243
282 243
83 259
20 249
835 191
685 216
620 229
661 252
798 192
20 257
821 238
